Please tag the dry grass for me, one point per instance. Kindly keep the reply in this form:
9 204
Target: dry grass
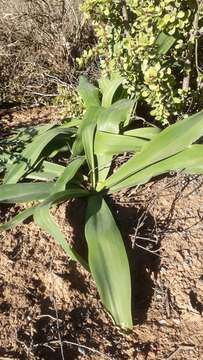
39 41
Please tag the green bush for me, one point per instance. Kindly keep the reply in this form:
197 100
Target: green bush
164 73
89 147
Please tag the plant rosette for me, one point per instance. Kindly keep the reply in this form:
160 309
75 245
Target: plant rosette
91 144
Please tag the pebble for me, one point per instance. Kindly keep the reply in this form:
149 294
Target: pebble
162 322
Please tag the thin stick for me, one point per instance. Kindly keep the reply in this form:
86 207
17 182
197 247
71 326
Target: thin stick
58 329
57 316
49 316
77 345
181 347
146 239
154 252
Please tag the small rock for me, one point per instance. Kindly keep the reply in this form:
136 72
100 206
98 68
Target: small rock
162 322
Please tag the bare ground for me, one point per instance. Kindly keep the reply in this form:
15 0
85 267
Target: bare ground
49 305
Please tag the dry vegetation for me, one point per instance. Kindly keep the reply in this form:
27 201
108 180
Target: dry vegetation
39 41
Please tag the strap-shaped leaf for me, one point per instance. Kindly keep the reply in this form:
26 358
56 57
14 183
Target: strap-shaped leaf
108 261
23 215
90 117
118 113
88 92
110 120
169 142
108 143
31 153
189 160
25 134
58 197
43 218
68 173
19 138
24 192
88 143
108 88
46 171
144 133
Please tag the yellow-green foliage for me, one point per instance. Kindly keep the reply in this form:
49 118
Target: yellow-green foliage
69 99
127 33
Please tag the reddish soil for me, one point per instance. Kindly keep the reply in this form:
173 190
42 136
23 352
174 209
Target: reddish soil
49 304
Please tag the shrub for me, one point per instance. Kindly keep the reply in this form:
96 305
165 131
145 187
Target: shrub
91 145
156 46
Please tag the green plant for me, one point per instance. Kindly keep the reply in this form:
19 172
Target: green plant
90 145
158 44
68 99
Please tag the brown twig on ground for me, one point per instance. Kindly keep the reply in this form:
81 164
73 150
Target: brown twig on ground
180 348
56 312
55 342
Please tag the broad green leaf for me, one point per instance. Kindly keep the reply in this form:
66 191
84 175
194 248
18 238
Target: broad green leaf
108 143
189 160
103 166
108 261
119 113
58 197
108 88
45 221
46 171
68 173
164 43
88 92
26 134
88 143
23 192
23 215
60 144
29 156
90 117
70 124
110 120
169 142
43 218
145 133
17 142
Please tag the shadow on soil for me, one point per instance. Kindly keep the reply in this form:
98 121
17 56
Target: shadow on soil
138 229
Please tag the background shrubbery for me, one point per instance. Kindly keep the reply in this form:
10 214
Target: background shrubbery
39 41
169 82
45 45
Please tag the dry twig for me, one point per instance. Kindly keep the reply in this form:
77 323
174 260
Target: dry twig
180 348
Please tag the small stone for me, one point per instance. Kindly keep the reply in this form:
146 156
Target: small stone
162 322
